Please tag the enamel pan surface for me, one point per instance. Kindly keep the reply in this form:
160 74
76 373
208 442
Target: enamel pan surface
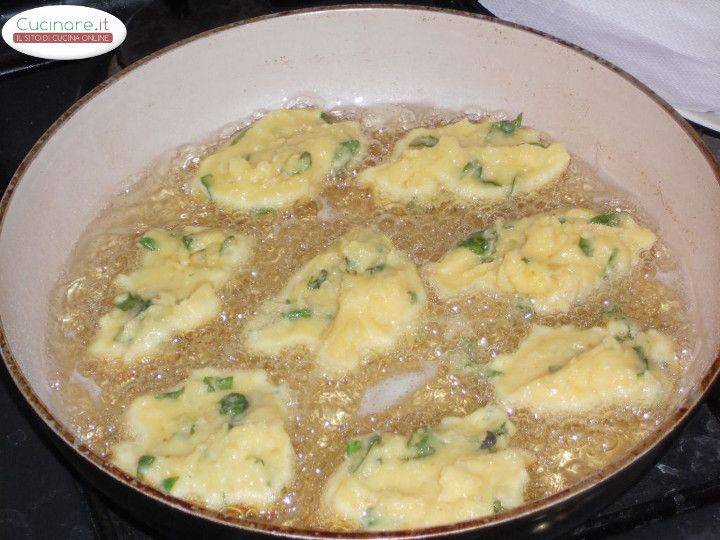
356 56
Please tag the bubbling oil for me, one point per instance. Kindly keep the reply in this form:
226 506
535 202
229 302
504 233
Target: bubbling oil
457 337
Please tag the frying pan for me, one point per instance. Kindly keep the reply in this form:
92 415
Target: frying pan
355 56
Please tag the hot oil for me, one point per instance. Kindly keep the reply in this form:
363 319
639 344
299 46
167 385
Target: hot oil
458 336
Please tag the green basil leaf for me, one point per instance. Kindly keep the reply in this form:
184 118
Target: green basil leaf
481 243
218 383
173 394
359 456
169 483
612 261
422 442
205 181
350 266
472 168
585 246
294 314
233 404
489 441
497 506
612 310
226 243
353 447
131 302
490 373
239 136
144 463
644 360
614 254
611 219
525 307
369 518
344 153
427 141
303 164
316 282
148 243
327 117
512 187
501 430
507 126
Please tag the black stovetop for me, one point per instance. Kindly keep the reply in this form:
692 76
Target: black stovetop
42 497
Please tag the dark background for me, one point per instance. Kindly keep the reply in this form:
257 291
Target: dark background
41 496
